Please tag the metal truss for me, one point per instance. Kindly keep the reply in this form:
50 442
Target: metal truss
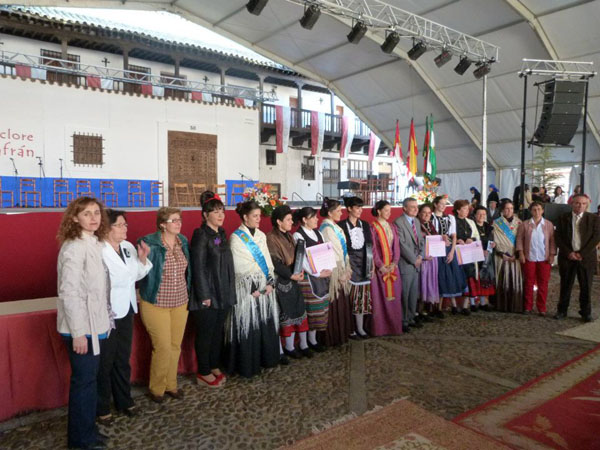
559 69
379 14
8 61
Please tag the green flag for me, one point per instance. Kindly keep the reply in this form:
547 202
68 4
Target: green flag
431 163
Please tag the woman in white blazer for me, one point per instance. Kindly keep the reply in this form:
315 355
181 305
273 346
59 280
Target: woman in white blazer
125 265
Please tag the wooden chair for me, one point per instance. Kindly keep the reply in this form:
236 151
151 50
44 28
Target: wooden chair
197 190
108 193
28 190
83 188
8 193
241 188
134 192
221 191
183 196
61 192
157 189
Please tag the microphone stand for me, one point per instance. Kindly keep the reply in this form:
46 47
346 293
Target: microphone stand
41 164
61 169
16 180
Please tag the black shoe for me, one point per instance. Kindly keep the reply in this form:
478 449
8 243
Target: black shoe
363 336
454 310
131 411
283 360
560 316
316 347
306 352
465 312
485 308
474 308
425 318
156 398
177 395
587 318
354 337
295 354
526 312
405 329
439 314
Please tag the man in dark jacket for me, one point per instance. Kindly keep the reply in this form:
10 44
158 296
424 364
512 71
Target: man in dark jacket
577 235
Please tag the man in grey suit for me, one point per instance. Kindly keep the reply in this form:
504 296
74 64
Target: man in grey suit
411 257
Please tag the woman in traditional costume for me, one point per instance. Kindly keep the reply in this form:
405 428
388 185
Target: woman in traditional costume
486 283
451 278
292 312
386 285
466 233
253 332
430 290
360 251
339 326
314 286
509 279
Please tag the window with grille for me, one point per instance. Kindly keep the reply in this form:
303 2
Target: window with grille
271 157
357 169
308 168
56 59
141 73
88 149
169 79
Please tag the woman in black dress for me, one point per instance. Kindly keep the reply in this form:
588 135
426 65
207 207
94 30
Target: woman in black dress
213 287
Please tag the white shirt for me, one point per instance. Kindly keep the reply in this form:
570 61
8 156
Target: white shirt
123 276
576 241
561 199
537 246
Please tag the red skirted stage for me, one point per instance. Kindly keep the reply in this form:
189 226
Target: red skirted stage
34 366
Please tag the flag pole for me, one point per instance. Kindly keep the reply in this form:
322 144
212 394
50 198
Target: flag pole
484 189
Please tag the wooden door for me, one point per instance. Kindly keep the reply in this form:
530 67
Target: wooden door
192 159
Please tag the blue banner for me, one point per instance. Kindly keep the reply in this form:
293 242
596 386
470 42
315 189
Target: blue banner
254 251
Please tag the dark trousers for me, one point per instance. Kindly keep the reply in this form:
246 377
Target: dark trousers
209 337
82 429
568 270
114 374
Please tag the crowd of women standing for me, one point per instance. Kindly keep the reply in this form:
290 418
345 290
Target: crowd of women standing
253 305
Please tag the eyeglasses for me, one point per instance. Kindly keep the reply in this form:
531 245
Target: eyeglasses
173 221
120 225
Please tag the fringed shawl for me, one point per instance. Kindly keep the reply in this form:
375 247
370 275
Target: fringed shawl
281 245
343 264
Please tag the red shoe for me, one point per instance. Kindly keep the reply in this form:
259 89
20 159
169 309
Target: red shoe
221 378
211 384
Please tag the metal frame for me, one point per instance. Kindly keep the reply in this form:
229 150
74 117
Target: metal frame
562 70
10 59
379 14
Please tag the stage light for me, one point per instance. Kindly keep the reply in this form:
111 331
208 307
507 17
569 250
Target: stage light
443 58
357 32
310 17
417 50
390 42
256 6
483 69
462 66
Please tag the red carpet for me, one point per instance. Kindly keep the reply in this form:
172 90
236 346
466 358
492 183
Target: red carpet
559 410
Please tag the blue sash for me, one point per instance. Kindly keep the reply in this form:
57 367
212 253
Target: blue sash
339 235
506 230
254 251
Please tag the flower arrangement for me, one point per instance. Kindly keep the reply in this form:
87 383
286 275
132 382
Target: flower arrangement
427 193
261 194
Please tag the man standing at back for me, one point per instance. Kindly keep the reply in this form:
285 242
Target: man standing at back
577 234
411 257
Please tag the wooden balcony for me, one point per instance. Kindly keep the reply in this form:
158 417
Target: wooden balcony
300 128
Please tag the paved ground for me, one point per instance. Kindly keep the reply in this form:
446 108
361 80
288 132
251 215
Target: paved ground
448 367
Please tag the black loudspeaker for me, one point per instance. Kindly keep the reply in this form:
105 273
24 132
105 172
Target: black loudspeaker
256 6
561 112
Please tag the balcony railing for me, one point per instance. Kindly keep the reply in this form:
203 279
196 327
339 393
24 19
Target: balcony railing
80 73
301 120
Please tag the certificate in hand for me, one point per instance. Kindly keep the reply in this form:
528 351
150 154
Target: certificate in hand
470 253
321 257
434 246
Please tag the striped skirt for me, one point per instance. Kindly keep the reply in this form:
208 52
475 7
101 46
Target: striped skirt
360 298
317 309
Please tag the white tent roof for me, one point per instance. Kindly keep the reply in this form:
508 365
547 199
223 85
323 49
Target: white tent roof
381 88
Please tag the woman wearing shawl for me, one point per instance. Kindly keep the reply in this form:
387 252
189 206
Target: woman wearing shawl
509 280
253 332
386 285
339 327
358 237
430 290
466 233
292 312
451 278
314 286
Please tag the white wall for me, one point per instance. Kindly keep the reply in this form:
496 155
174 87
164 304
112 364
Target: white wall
457 184
134 128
